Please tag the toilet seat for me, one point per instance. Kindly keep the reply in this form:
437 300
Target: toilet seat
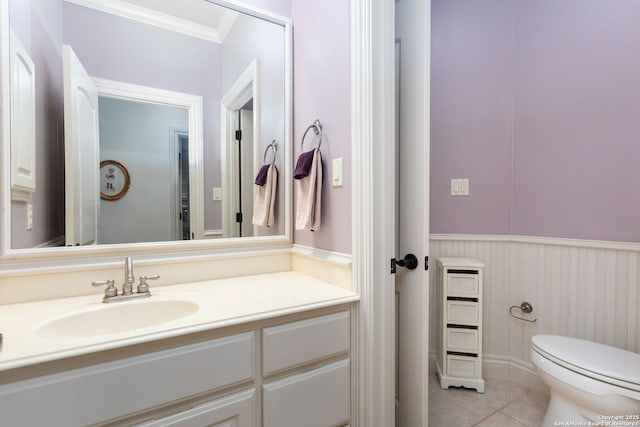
597 361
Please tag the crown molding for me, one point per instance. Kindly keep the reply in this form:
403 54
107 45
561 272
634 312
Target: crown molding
151 17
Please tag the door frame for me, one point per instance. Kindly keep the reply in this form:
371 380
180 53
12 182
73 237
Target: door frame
176 136
244 89
194 106
373 219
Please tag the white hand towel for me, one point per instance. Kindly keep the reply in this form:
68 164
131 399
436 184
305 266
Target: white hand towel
309 200
263 209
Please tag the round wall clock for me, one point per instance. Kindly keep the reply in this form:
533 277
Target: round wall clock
114 180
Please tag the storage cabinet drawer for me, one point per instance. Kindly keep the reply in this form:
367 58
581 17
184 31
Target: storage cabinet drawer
297 343
463 366
462 285
317 398
459 339
463 312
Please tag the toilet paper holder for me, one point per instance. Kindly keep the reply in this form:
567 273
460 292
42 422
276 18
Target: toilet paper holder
524 307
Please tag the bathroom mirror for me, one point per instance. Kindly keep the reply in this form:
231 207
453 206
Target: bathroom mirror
189 96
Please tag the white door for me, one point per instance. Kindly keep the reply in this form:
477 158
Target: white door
412 219
82 153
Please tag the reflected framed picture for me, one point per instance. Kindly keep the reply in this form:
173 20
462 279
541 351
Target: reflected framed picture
114 180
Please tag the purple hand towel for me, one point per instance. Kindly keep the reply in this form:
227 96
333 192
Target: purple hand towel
303 166
309 196
261 178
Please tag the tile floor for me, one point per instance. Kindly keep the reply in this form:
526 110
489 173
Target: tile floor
503 404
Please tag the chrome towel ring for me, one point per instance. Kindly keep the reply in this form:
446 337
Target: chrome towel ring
317 129
524 307
274 147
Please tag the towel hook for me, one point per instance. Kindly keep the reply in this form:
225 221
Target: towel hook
274 147
317 129
525 307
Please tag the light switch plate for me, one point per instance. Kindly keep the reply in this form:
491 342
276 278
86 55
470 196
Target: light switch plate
217 193
460 187
29 216
336 178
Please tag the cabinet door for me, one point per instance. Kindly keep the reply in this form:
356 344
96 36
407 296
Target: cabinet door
237 410
23 121
317 398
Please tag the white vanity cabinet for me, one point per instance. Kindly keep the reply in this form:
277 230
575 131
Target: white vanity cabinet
459 338
288 371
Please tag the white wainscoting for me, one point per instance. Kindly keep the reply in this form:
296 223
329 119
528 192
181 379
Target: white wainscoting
578 288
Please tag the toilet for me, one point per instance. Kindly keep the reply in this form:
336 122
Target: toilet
588 381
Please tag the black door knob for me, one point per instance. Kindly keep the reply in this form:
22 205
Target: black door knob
410 261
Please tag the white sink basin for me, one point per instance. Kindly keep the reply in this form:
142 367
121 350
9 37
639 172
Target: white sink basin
116 317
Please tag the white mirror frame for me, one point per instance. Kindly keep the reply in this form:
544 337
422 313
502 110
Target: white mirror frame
36 258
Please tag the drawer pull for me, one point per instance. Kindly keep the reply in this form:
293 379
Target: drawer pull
456 326
460 353
453 271
462 299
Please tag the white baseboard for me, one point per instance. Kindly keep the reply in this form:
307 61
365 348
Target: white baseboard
508 369
514 370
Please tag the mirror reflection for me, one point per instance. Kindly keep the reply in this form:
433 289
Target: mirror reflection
184 96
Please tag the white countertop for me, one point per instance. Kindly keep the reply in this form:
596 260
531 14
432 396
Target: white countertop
221 302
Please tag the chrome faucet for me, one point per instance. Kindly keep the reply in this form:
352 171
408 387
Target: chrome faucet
111 292
129 278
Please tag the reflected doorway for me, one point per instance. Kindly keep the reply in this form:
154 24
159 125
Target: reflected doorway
243 155
183 226
147 139
239 133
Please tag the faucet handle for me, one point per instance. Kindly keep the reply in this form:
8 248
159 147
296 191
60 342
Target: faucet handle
111 290
143 287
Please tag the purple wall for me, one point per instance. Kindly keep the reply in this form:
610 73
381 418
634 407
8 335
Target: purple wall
471 110
321 76
39 28
536 103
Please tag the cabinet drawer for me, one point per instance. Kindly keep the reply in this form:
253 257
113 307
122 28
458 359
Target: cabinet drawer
463 366
462 285
463 312
309 340
459 339
317 398
86 395
237 410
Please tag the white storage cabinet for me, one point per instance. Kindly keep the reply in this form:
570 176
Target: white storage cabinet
459 361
